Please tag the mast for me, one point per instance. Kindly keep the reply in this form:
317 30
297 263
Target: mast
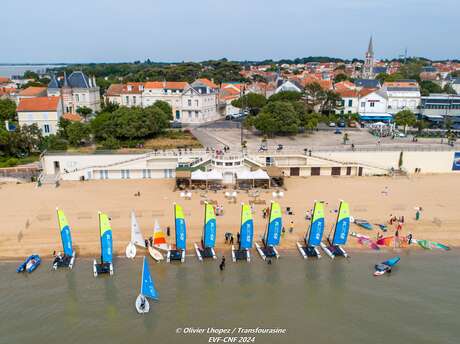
268 224
204 223
175 222
142 277
307 237
100 236
241 224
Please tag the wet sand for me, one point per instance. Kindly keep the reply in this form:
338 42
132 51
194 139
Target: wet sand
28 221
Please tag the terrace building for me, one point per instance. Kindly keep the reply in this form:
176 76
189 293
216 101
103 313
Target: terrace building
45 112
437 108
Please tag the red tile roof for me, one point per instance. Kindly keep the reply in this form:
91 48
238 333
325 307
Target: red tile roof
175 85
74 117
208 83
33 91
114 90
4 80
38 104
8 90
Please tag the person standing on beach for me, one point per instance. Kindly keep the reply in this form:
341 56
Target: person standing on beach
222 264
168 231
231 239
291 227
238 237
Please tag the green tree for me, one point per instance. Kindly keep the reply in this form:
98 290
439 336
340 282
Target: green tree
84 112
277 117
427 87
331 102
78 133
28 74
7 110
421 125
405 118
103 126
62 128
54 143
285 96
314 95
341 77
449 89
252 101
165 107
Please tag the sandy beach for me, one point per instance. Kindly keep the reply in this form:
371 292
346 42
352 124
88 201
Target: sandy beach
28 221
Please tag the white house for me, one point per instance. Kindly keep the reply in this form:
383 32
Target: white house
43 111
194 104
288 86
77 90
373 107
456 85
401 95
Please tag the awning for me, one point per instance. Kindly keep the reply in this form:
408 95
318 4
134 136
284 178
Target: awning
255 175
434 117
375 117
211 175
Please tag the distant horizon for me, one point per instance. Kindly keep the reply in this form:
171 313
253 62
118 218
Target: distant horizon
216 59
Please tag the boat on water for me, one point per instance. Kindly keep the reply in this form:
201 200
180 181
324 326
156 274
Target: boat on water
334 248
386 266
314 235
208 240
159 238
272 235
67 259
137 239
30 264
246 235
363 223
105 231
178 254
148 290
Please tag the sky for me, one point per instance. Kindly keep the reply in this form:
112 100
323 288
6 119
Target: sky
82 31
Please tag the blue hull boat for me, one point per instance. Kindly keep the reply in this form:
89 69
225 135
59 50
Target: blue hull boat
386 266
30 264
364 224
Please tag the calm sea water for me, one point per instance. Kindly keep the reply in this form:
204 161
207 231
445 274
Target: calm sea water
19 70
315 301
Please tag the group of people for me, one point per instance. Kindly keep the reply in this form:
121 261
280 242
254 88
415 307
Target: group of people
229 238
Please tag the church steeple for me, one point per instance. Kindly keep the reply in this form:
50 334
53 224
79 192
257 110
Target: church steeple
368 68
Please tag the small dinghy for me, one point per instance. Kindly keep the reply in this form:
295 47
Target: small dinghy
148 290
386 266
155 254
363 223
136 238
30 264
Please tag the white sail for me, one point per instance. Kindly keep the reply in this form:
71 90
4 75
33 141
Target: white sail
136 236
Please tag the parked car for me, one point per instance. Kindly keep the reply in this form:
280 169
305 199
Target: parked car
332 124
234 116
342 124
175 124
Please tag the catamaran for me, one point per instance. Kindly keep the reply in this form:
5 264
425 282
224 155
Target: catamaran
246 235
341 229
178 254
148 290
66 259
272 234
136 238
208 240
105 266
159 238
315 234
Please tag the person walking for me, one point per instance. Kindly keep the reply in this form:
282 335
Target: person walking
231 239
168 231
238 238
291 227
222 264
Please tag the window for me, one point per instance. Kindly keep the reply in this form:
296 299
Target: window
190 114
127 99
196 102
372 104
350 102
177 114
189 102
196 114
77 97
363 104
146 173
46 128
125 174
134 100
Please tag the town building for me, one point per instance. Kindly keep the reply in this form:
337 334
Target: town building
32 92
368 68
373 107
191 103
401 95
438 108
456 85
43 111
77 90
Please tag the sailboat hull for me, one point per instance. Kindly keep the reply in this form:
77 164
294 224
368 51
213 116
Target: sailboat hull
130 251
102 268
142 305
64 262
